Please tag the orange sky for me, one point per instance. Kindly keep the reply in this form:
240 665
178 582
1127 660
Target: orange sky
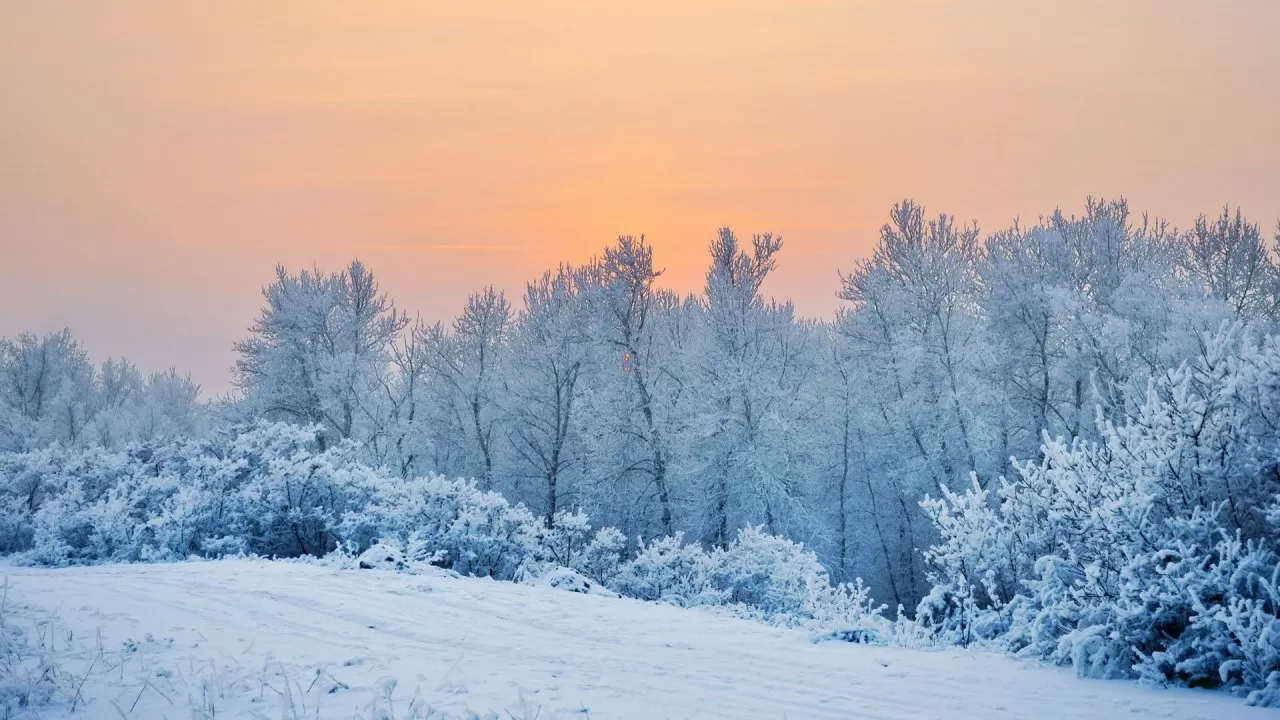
157 158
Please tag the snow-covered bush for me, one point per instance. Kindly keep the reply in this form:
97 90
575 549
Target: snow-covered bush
273 490
29 481
602 557
1150 552
288 495
848 612
758 575
473 532
1226 605
266 489
565 540
669 570
769 573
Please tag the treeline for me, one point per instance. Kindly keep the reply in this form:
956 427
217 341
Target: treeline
1062 440
52 394
658 413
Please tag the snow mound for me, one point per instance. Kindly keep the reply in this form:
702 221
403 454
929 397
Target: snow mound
390 556
563 578
858 636
382 556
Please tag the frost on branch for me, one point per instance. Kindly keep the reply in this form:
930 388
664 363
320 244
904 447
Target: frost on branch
1150 552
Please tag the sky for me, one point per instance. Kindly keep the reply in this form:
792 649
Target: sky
159 158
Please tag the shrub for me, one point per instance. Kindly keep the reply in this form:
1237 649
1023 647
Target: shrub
474 532
1149 553
565 540
602 558
266 489
271 490
760 576
768 573
667 569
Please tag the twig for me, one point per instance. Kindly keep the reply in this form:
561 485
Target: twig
452 667
157 691
147 684
140 691
85 679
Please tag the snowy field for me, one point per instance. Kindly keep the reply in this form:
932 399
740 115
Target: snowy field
257 639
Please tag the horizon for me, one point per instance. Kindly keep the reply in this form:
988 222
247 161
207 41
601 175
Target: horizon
157 162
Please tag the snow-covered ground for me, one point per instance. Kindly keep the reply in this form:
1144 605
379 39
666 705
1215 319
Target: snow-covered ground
245 638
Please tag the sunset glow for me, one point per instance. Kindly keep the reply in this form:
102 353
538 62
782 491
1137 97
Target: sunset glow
156 162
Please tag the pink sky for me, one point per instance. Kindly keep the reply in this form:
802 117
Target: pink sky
156 162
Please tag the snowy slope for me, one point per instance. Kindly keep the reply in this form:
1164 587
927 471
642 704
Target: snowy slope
262 639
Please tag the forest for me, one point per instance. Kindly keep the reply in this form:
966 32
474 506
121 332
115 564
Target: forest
1059 438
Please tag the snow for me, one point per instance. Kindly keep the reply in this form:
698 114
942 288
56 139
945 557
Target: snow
567 580
222 639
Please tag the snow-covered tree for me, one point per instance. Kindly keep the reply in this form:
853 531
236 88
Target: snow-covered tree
753 366
46 384
320 350
628 310
50 393
467 365
1229 259
916 332
550 354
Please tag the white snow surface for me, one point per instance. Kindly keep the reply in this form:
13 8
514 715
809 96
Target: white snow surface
261 639
566 580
